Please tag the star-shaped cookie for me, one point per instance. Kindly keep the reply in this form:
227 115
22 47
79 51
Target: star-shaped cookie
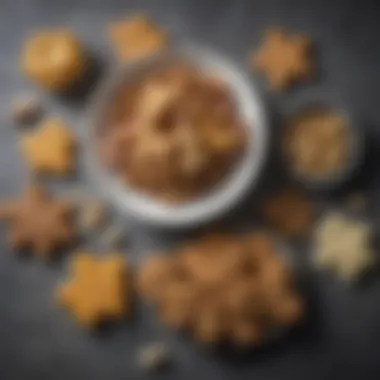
97 290
50 148
38 222
136 38
283 58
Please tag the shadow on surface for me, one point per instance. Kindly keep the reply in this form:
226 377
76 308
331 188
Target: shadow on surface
79 94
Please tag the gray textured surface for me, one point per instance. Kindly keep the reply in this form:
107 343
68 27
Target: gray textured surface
38 341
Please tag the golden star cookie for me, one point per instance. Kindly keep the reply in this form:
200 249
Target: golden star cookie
97 289
283 58
136 38
50 148
38 222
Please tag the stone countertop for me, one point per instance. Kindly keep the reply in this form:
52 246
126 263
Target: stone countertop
342 337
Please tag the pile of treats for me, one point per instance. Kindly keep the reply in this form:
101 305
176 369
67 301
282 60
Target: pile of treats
223 288
219 288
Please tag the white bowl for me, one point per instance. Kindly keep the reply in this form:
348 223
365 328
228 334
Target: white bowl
230 190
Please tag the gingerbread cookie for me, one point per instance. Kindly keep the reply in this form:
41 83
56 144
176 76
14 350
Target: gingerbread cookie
136 38
283 58
97 290
38 222
49 149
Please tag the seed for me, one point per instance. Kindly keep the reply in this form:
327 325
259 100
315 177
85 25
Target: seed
154 357
26 110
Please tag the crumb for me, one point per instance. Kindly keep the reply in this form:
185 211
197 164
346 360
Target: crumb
92 215
38 222
135 38
113 236
97 289
343 245
50 148
154 357
26 110
54 59
283 58
290 212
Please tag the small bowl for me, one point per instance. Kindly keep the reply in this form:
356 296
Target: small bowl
230 190
355 151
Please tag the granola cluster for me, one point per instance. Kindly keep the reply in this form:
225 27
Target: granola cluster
317 143
174 134
223 288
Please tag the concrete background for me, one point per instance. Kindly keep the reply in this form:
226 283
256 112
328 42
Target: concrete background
342 337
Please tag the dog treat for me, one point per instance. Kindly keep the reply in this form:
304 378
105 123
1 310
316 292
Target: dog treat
316 143
26 109
179 136
290 212
37 222
54 59
135 38
154 357
97 289
283 58
223 288
92 214
50 148
343 245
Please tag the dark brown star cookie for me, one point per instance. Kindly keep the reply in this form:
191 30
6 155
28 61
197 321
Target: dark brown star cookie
37 222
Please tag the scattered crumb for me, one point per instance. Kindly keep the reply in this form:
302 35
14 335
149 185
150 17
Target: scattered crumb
113 236
290 212
92 215
26 109
154 357
343 245
283 58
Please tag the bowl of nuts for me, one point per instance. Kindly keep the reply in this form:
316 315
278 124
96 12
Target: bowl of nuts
322 146
178 139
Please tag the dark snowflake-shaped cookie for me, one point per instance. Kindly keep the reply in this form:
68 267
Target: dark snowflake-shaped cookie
37 222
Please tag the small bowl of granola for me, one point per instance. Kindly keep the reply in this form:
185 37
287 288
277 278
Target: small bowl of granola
322 145
177 139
